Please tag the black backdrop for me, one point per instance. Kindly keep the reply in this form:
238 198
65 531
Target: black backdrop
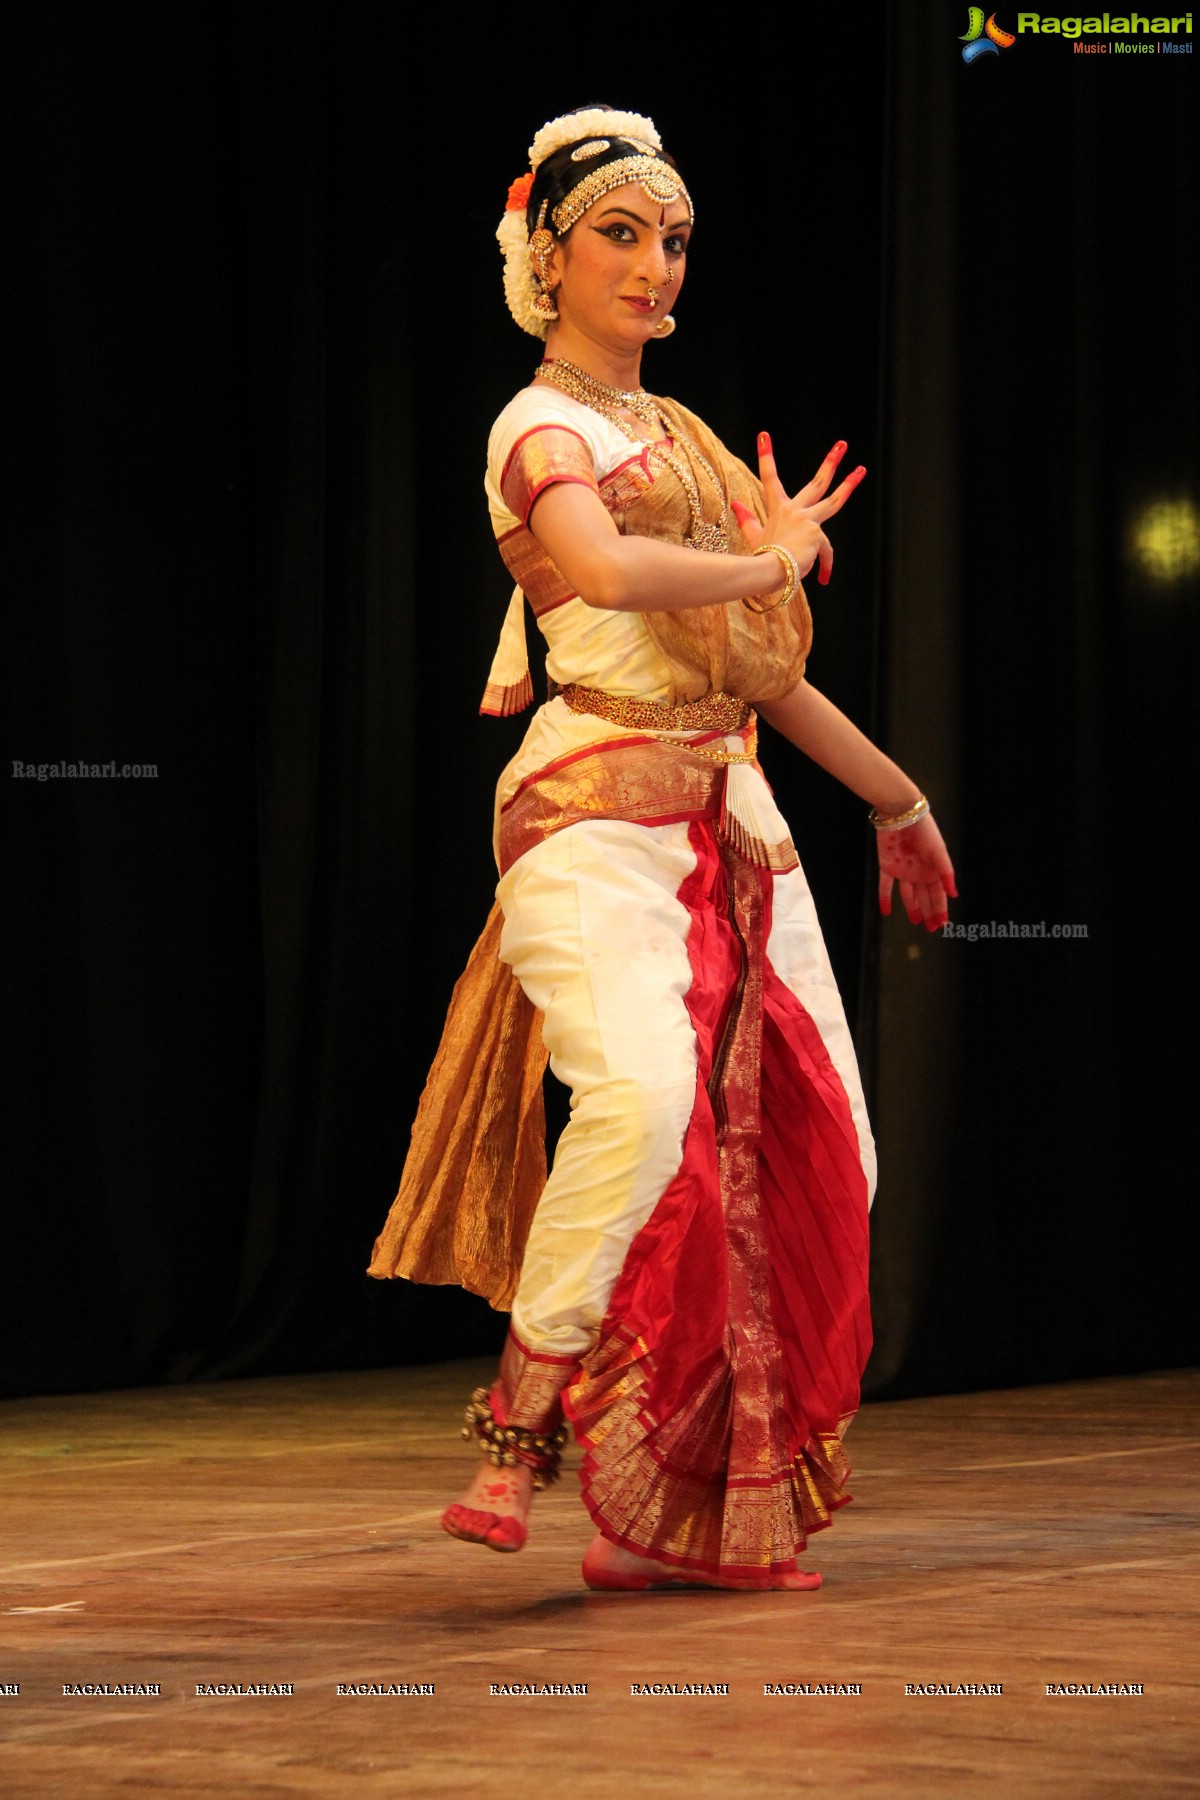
259 341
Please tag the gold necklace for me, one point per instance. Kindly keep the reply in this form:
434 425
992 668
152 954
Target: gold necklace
598 394
610 402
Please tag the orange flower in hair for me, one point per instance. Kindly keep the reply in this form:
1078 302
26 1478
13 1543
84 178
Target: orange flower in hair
518 193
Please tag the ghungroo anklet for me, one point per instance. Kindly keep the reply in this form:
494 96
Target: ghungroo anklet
507 1445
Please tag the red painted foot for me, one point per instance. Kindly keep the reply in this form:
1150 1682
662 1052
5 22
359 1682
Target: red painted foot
499 1531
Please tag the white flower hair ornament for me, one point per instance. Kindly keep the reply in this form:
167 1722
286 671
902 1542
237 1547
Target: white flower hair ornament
520 284
521 288
595 122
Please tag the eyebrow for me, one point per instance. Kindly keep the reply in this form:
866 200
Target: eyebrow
624 212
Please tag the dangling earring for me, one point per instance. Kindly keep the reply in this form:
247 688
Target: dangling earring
541 243
544 306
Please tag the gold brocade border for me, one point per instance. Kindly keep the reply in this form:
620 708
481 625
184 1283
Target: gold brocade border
543 455
531 1384
780 858
647 780
540 580
632 777
666 1487
499 701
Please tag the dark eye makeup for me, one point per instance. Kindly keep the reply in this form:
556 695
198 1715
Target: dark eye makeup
674 245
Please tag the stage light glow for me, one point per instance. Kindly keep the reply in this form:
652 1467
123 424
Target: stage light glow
1165 538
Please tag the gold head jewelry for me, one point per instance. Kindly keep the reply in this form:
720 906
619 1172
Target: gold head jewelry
657 178
540 246
541 242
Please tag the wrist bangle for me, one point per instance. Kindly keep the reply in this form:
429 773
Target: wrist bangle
898 821
791 577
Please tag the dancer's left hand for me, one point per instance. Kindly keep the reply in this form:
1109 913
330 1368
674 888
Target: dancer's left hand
917 858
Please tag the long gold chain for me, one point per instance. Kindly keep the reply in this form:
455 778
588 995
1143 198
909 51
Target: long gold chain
717 756
610 402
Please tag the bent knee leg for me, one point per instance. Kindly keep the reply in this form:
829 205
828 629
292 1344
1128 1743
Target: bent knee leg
620 1151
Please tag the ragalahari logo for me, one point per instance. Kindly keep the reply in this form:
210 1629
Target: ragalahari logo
982 39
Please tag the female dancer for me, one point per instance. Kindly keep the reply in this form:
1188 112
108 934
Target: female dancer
689 1286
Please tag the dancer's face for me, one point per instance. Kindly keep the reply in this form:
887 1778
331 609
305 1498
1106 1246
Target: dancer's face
621 266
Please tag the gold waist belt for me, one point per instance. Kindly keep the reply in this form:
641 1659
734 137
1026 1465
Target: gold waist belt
715 712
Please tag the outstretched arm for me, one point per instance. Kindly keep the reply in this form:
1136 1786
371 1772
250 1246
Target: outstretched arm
916 856
636 574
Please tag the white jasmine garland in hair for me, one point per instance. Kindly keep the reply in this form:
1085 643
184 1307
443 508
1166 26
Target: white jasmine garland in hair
520 283
594 122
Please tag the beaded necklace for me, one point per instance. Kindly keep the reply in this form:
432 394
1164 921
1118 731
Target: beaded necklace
611 402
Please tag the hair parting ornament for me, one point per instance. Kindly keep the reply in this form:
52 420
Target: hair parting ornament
634 152
658 179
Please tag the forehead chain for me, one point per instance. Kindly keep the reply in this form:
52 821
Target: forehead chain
657 178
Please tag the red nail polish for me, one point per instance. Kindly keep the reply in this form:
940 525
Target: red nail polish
764 442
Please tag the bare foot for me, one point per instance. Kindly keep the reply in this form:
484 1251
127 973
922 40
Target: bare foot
615 1570
494 1510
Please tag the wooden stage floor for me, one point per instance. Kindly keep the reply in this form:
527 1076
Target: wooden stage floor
285 1532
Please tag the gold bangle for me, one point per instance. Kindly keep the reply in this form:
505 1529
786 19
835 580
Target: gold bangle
898 821
791 577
